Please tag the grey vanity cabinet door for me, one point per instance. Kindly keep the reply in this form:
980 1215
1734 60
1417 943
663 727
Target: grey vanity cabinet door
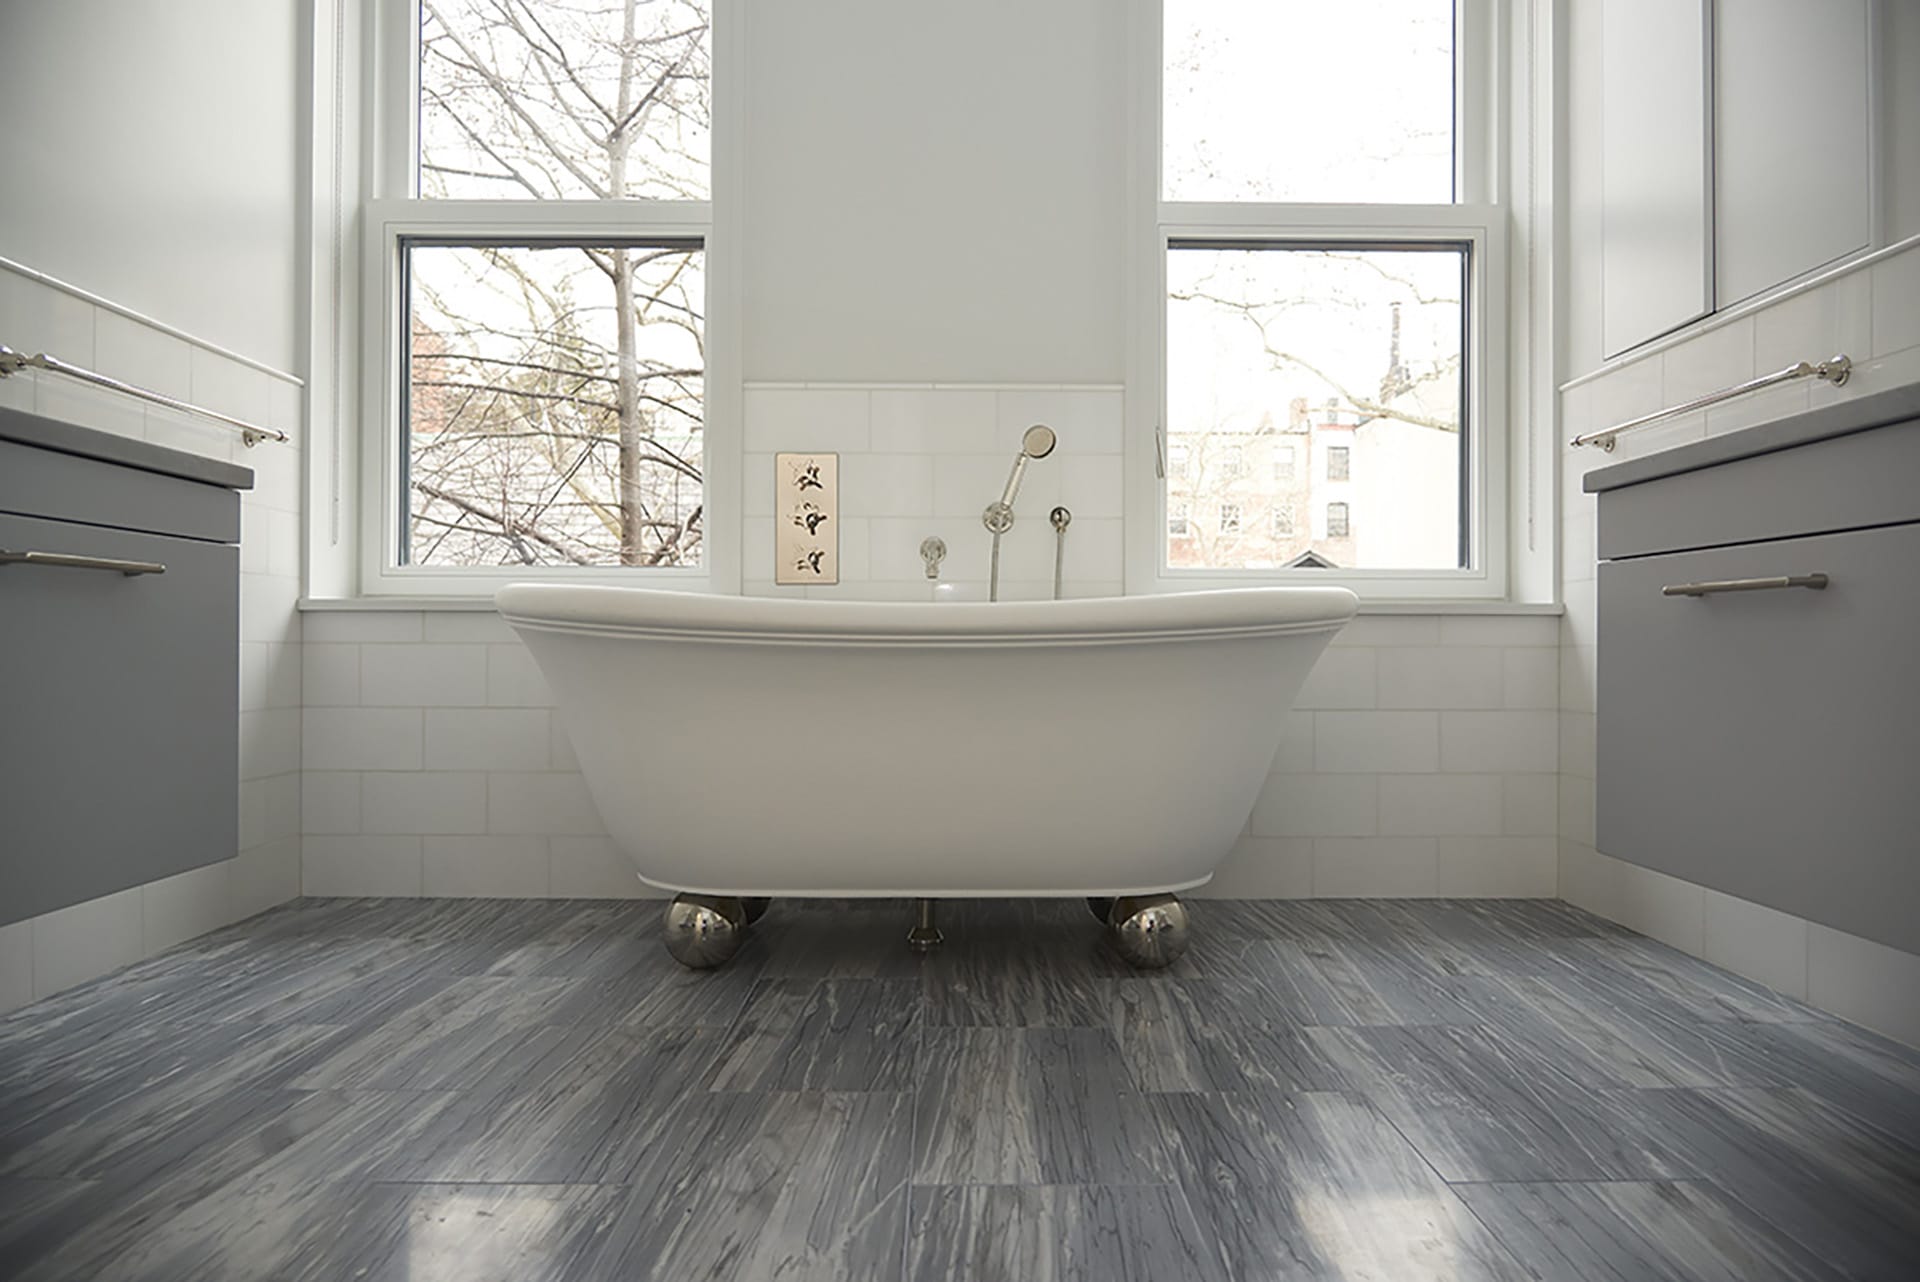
1767 743
119 709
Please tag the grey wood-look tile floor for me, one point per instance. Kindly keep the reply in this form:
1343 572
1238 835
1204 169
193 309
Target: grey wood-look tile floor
390 1089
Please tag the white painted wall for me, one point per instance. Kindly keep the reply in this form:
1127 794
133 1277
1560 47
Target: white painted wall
935 193
151 155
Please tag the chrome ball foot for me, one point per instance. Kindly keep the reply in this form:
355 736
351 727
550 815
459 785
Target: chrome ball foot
703 931
1150 931
925 935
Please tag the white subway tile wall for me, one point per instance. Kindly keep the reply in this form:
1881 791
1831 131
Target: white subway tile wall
1870 315
925 460
1362 799
57 950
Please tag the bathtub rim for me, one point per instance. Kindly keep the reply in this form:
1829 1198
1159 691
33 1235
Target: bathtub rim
639 612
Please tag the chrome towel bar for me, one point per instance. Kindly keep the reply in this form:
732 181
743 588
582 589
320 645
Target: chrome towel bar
12 362
1817 582
1834 370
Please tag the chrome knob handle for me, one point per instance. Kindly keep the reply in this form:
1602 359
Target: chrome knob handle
933 550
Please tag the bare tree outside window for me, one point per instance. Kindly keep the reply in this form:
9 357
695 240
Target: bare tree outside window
555 393
564 99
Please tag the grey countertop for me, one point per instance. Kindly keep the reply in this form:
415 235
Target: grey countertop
70 438
1838 419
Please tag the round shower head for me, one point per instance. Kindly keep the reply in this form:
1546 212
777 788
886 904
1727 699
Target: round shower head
1038 442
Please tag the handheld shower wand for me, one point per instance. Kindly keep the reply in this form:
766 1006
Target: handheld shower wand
1038 442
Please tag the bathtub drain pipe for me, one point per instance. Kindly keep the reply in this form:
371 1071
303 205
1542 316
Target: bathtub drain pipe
925 934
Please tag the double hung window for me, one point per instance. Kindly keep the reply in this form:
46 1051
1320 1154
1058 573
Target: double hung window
542 290
1330 273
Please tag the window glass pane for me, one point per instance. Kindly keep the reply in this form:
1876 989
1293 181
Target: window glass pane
1301 100
526 99
1304 379
547 424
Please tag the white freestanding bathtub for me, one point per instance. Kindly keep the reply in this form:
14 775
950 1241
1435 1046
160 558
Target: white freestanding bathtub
746 747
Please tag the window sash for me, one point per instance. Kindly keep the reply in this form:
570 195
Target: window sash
1477 228
393 225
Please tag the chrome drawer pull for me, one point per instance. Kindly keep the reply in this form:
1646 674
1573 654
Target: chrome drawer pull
1711 586
72 562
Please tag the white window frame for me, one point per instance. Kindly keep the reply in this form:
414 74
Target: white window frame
395 215
1474 220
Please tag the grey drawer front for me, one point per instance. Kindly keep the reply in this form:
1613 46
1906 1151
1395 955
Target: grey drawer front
1767 744
1868 478
119 715
36 482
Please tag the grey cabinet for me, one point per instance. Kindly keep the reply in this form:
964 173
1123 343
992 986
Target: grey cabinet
119 691
1766 742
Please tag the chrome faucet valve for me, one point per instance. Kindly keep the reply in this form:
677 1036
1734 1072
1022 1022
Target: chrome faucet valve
933 550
